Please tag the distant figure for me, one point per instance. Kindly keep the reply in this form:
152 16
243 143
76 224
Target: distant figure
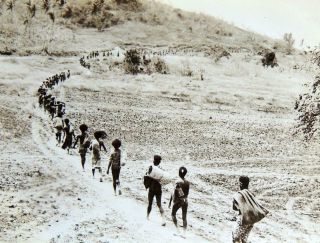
61 107
155 189
180 198
52 107
68 135
250 211
269 59
58 125
84 143
96 146
115 164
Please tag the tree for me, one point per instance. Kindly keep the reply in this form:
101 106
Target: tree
288 38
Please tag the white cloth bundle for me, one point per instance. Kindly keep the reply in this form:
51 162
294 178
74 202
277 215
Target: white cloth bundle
160 175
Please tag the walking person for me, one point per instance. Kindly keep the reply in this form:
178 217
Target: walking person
96 146
250 211
155 188
58 125
180 198
84 143
52 107
115 164
68 135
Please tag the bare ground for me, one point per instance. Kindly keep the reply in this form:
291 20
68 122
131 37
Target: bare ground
228 125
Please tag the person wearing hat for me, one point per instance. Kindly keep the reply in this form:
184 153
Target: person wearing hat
155 190
180 198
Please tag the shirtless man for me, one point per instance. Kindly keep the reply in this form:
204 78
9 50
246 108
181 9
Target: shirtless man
155 190
115 164
84 143
96 146
180 198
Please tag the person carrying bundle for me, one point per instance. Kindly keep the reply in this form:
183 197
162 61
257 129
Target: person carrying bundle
152 182
250 211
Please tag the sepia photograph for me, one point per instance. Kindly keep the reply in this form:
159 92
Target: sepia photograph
159 121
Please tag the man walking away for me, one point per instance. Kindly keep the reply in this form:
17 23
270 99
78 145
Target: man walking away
68 135
180 198
58 125
115 164
84 143
96 146
250 211
155 189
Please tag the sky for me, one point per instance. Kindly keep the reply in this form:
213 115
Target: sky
269 17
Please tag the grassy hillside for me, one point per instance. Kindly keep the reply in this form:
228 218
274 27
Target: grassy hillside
33 27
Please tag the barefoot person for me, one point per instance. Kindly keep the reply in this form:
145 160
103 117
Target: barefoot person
84 143
155 188
250 211
96 146
115 164
180 198
68 135
58 125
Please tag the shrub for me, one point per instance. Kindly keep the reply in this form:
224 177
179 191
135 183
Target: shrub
269 59
287 37
222 54
308 107
67 12
186 69
160 66
132 61
130 5
315 57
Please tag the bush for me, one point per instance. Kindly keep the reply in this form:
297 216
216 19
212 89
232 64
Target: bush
131 5
269 59
160 66
287 37
67 12
132 61
186 69
315 57
222 54
308 107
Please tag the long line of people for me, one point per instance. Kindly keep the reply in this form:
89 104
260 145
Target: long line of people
84 142
65 134
250 210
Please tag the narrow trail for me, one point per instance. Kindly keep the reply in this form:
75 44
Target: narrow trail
120 214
